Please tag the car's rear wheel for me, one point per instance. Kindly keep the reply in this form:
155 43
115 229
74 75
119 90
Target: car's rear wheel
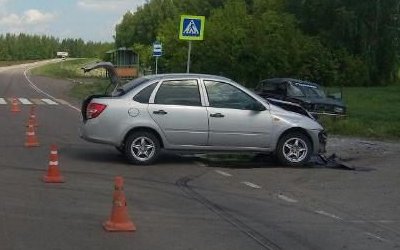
294 149
142 148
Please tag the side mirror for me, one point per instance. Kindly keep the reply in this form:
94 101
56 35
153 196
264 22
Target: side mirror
258 107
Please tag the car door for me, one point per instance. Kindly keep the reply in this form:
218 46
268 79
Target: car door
236 120
177 109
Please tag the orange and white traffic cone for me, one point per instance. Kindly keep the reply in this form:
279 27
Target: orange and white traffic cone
15 106
53 173
31 139
119 220
32 118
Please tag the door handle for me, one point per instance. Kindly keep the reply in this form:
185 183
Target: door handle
160 112
217 115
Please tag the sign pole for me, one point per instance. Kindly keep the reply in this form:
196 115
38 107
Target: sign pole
156 65
188 60
157 52
191 29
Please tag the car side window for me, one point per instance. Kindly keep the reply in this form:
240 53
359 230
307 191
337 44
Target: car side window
144 95
179 92
224 95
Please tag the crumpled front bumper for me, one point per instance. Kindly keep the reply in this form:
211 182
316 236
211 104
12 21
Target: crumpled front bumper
323 139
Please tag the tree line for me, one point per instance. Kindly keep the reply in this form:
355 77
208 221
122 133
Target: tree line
35 47
333 42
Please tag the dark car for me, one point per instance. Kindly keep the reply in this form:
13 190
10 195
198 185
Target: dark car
309 95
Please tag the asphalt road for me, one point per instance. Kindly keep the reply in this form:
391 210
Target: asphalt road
182 202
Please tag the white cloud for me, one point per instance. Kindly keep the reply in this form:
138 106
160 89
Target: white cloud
35 16
107 5
30 20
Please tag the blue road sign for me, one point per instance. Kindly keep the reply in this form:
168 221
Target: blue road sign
157 49
191 27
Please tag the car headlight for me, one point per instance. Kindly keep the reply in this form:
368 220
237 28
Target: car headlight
338 110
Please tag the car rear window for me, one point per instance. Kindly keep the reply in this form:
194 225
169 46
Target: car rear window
144 95
129 86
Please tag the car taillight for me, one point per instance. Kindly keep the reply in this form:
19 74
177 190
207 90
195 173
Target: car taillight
94 110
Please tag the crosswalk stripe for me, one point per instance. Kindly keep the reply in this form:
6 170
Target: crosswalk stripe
24 101
31 101
50 102
37 101
62 101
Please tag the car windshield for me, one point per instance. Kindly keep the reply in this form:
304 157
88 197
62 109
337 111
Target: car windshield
129 86
301 89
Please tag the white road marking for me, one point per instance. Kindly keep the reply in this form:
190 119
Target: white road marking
63 102
377 237
37 101
2 101
25 101
50 102
373 221
321 212
223 173
251 184
41 91
285 198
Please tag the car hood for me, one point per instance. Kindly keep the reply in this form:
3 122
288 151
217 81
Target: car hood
109 67
325 101
294 118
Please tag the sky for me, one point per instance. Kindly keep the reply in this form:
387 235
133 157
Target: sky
91 20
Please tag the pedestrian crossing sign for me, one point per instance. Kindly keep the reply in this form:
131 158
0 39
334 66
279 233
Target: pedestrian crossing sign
191 27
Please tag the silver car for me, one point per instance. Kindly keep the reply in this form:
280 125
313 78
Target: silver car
198 113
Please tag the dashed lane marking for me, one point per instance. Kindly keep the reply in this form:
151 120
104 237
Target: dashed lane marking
321 212
252 185
287 199
223 173
376 237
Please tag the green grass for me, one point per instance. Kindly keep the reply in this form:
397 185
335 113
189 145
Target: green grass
372 112
98 86
90 83
71 68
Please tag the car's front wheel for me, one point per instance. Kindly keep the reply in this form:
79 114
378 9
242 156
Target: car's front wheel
142 148
294 149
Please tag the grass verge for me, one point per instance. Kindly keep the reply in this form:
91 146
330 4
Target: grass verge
87 84
372 112
66 69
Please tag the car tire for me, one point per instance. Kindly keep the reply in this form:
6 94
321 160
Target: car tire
294 149
142 148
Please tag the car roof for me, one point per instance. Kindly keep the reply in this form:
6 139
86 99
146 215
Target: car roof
184 76
279 80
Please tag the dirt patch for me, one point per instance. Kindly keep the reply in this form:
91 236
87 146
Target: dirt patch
358 148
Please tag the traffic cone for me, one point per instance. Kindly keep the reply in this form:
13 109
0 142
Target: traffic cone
53 173
31 139
15 106
119 220
32 118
